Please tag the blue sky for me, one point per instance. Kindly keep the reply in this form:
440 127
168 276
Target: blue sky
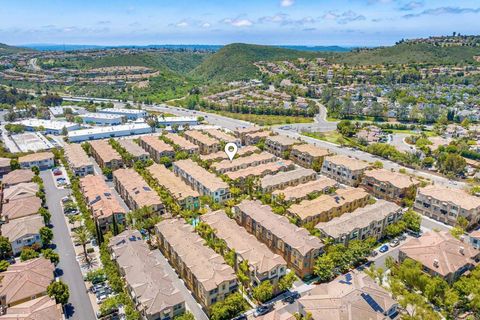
301 22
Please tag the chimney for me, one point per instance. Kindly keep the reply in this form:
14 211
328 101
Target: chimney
462 250
435 263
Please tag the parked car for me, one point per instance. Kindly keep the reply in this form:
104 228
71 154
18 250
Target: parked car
240 317
263 309
374 253
97 287
383 248
291 297
101 297
402 237
394 243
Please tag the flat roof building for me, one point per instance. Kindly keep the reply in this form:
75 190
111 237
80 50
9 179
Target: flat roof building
179 121
135 191
105 155
263 263
201 180
96 133
362 223
185 196
281 180
104 119
294 244
130 114
204 271
302 191
78 159
48 126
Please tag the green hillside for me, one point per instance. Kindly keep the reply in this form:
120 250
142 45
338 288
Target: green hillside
406 53
235 61
6 49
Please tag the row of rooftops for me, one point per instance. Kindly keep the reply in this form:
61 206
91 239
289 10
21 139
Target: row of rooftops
133 148
171 182
105 151
77 157
205 178
201 137
180 141
136 188
156 144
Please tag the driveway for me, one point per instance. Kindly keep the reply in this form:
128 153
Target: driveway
79 307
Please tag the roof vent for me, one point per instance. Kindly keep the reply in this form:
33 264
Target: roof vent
462 250
435 263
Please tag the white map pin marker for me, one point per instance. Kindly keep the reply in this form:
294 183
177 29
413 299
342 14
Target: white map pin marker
231 150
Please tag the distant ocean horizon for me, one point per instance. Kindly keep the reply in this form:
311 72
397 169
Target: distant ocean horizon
203 47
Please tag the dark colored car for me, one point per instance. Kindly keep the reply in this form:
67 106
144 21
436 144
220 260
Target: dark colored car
263 309
383 248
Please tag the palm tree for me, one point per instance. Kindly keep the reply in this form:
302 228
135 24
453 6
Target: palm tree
82 236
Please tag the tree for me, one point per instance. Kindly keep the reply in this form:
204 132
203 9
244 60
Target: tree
346 128
378 164
46 234
5 248
14 164
52 255
36 170
4 265
412 220
82 236
109 305
263 292
229 308
45 214
59 291
186 316
287 281
28 254
324 268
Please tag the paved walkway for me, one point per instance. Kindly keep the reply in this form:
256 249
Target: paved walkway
79 307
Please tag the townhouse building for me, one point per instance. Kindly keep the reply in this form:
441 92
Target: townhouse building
282 180
264 265
179 190
362 223
199 179
134 149
152 288
447 204
105 155
156 147
204 271
206 143
5 166
280 145
243 162
241 132
389 185
16 177
255 137
294 244
261 170
303 190
135 191
77 159
326 207
182 144
308 156
106 209
344 169
23 232
221 155
221 135
42 160
441 254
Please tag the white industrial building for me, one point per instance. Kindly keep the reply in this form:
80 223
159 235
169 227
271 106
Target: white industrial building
48 126
109 132
180 121
102 119
130 114
59 111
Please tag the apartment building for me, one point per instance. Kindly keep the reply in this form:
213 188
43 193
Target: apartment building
242 132
206 143
362 223
105 208
23 282
77 159
389 185
282 180
263 264
302 191
135 191
42 160
326 207
20 208
221 155
182 143
157 148
344 169
134 149
447 204
105 155
256 137
441 254
308 156
20 191
179 190
42 307
206 183
23 232
221 135
243 162
5 166
279 144
151 287
16 177
294 244
204 271
260 170
348 297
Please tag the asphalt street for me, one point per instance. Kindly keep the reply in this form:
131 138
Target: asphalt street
79 307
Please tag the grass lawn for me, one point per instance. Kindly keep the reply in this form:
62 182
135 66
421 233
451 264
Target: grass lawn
264 120
330 136
411 132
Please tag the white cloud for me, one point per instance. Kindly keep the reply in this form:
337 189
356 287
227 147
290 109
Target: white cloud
287 3
238 22
206 25
182 24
